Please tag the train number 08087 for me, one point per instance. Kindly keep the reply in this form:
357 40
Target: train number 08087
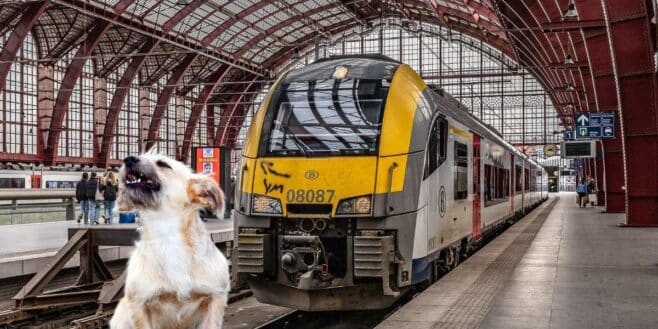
302 195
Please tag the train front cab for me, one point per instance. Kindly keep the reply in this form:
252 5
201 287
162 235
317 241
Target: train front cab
325 229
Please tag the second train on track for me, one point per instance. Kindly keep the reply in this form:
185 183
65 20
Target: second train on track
359 181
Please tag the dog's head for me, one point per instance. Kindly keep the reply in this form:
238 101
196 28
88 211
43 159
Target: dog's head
154 182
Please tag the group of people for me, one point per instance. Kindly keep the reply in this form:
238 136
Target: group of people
89 192
584 189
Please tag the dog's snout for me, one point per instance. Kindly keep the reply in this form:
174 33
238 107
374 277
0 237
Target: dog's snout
131 161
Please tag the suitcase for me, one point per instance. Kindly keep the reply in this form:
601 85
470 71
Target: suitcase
126 217
593 199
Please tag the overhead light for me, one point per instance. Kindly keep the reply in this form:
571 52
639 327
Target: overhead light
569 87
568 59
571 12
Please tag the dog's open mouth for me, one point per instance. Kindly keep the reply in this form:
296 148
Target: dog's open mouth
138 180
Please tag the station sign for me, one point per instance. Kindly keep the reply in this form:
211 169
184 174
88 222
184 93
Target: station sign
594 125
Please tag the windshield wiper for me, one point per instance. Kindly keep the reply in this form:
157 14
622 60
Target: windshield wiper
302 147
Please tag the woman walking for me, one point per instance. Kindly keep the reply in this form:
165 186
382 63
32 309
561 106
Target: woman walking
109 187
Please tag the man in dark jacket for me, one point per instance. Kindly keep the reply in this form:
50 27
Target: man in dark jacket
81 196
90 192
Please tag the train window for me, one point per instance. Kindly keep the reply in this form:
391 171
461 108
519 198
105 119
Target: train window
60 184
326 117
526 179
461 171
12 182
518 178
436 146
496 185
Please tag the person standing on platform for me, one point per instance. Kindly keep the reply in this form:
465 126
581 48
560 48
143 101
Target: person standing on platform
109 187
92 188
81 196
581 189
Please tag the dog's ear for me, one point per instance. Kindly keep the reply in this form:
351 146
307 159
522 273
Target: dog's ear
205 192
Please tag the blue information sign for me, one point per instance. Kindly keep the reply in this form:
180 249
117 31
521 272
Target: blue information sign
595 125
568 135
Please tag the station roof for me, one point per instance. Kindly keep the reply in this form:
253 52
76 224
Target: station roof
206 41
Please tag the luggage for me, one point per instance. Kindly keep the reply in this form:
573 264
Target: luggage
593 199
126 217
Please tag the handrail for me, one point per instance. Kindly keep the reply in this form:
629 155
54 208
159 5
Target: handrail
66 197
36 194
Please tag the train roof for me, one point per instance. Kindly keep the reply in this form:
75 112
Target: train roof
359 67
453 108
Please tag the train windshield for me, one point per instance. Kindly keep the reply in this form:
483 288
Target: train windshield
327 117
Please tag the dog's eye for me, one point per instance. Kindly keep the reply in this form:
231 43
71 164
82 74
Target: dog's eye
162 164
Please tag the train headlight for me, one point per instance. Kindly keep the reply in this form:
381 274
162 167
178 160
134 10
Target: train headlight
359 205
266 205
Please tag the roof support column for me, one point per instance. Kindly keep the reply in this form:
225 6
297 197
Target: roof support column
604 82
600 174
635 85
210 124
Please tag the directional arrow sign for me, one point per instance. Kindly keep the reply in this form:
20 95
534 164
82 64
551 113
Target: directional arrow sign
583 119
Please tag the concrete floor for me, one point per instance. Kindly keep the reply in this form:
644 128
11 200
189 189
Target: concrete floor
577 269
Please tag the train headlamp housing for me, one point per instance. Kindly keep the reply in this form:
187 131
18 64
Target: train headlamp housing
361 205
266 205
340 72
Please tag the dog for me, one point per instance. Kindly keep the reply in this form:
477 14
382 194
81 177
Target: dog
177 278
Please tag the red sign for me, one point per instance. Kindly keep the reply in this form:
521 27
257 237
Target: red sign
208 162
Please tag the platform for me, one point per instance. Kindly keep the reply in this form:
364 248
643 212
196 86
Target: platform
25 248
559 267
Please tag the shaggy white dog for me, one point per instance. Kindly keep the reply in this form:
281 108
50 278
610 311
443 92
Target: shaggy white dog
176 278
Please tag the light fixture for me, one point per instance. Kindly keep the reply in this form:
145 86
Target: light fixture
569 87
568 59
571 12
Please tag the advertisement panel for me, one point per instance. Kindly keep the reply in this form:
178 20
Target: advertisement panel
207 161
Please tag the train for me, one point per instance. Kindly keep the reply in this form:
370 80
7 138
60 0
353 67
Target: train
27 179
359 181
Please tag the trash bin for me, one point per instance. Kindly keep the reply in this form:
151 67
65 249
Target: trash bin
126 217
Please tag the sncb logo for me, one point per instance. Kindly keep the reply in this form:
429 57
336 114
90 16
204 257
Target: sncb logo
312 174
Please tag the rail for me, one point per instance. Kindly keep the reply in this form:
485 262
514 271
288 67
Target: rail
19 206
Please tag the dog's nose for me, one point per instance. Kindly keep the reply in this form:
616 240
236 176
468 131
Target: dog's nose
131 161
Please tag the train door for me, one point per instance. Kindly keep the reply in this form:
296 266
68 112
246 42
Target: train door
35 181
477 193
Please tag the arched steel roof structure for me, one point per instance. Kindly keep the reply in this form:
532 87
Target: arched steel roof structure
603 50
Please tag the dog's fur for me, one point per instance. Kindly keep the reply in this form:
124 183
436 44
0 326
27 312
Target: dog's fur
176 277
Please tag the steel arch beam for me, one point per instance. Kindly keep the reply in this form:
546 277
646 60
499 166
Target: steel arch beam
119 97
15 40
198 106
165 96
71 76
129 75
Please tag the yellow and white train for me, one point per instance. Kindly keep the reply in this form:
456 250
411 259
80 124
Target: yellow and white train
358 181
